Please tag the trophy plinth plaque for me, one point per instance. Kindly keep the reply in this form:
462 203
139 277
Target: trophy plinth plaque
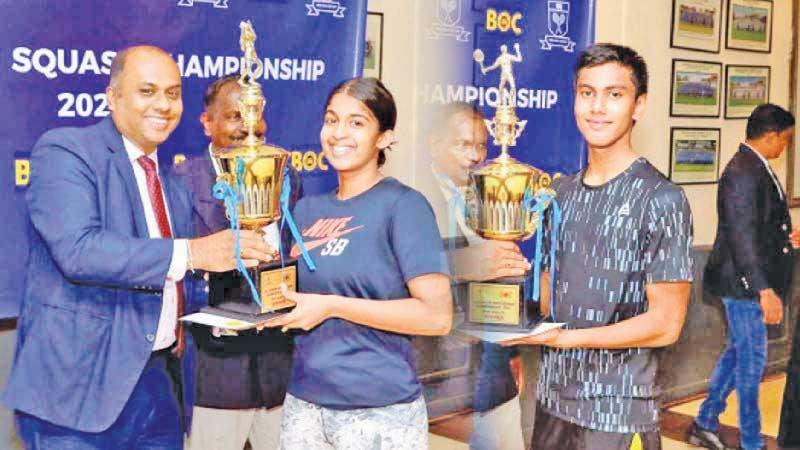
250 182
500 207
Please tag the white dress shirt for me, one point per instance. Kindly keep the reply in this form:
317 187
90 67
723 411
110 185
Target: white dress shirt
769 170
165 335
449 189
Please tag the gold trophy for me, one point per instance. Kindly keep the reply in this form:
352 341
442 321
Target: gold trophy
500 206
250 182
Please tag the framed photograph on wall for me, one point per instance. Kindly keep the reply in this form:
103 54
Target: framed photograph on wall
745 88
793 151
696 88
696 25
694 155
749 25
373 48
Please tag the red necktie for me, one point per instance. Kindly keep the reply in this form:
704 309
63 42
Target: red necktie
160 210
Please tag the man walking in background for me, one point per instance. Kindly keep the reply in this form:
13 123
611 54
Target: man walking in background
750 268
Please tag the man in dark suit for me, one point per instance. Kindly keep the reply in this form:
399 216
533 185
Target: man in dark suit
241 379
98 332
750 268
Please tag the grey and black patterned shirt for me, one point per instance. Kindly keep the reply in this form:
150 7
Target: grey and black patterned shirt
615 239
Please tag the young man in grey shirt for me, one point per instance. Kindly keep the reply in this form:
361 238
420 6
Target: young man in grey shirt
623 272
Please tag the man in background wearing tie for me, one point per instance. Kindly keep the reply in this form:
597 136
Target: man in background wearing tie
750 268
98 329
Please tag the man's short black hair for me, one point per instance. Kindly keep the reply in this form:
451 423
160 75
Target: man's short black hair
214 88
605 53
767 118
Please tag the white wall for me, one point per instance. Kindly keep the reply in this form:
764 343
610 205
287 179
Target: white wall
645 26
400 76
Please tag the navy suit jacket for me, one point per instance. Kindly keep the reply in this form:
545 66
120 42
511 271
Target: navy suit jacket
752 250
94 280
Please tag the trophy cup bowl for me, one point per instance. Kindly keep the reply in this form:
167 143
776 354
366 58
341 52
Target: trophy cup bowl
498 211
256 173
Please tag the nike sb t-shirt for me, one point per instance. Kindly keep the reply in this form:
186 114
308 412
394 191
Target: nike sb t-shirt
615 239
368 246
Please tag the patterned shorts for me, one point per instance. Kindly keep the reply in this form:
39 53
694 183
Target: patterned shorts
306 426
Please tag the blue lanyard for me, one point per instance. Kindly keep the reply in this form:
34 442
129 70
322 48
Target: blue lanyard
286 219
538 204
222 190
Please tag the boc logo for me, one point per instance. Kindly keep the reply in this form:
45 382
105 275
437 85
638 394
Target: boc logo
503 21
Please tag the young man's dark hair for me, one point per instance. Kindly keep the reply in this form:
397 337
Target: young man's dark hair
604 53
768 118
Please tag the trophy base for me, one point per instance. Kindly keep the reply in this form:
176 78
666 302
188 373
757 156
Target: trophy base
230 312
229 293
500 305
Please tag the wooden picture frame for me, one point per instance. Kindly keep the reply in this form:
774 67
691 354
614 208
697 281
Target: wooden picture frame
373 46
694 155
745 88
695 88
696 25
749 25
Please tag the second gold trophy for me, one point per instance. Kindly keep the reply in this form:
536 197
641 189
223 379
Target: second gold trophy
506 200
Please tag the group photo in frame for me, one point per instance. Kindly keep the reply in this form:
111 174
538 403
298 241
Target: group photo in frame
749 25
694 155
696 25
745 88
373 47
696 88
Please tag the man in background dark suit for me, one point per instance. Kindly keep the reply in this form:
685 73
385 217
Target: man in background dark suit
750 268
241 379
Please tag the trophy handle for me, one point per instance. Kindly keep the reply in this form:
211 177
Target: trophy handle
490 125
544 181
520 127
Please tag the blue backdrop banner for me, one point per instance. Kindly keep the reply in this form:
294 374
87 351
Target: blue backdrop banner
56 57
550 34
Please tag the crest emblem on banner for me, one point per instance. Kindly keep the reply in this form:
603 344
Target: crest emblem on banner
448 16
216 3
332 7
558 26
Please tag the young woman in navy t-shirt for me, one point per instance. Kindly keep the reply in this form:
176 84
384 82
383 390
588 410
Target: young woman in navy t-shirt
381 276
